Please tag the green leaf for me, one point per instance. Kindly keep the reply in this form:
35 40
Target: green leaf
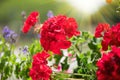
57 58
65 65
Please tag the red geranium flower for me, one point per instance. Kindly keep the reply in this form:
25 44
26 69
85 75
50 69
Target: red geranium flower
40 70
70 26
40 58
110 35
55 31
101 28
30 21
109 65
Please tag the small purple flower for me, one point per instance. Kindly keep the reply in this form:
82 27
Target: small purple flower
13 37
25 49
6 32
50 14
9 35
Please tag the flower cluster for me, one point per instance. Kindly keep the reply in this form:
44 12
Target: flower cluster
9 35
110 35
54 35
109 65
100 29
30 21
55 32
40 70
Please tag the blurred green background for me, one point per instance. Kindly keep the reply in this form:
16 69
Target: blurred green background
10 14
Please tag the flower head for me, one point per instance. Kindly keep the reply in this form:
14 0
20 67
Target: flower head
100 29
40 70
55 31
30 21
40 58
110 35
50 14
6 32
25 49
109 65
9 35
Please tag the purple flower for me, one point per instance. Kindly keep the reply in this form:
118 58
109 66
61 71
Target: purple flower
9 35
25 49
50 14
6 32
13 37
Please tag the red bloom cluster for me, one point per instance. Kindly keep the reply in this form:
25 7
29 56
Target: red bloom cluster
110 35
55 31
100 29
109 65
30 21
40 70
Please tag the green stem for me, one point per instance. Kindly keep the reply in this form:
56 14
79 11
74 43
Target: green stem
1 76
76 50
80 50
80 74
77 74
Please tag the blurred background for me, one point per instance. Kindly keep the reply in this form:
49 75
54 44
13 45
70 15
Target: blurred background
88 13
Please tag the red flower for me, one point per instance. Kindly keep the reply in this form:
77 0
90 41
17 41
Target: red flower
110 35
55 31
101 28
30 21
40 70
109 65
40 58
70 27
106 40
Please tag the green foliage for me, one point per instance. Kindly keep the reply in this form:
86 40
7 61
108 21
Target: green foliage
85 48
65 65
23 66
57 59
60 76
13 64
35 47
7 59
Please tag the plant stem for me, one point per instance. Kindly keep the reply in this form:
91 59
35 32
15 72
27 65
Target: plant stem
72 74
76 50
1 76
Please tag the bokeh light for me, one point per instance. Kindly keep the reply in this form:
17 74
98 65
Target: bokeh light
87 6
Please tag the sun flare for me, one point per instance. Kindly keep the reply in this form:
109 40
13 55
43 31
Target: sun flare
87 6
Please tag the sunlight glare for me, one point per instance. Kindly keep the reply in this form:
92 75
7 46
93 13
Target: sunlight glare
87 6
